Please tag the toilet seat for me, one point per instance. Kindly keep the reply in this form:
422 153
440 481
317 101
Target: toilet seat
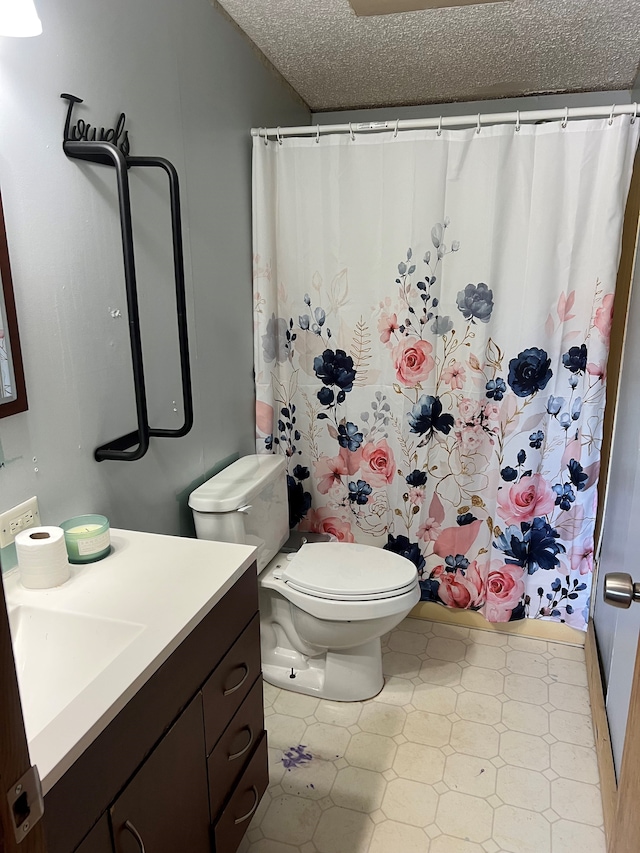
345 572
370 597
338 610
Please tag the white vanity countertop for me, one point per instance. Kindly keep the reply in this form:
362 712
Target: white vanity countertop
162 586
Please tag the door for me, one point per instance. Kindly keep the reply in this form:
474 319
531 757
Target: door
621 591
14 752
165 807
617 630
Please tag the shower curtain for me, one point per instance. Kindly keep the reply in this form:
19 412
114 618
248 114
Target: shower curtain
432 312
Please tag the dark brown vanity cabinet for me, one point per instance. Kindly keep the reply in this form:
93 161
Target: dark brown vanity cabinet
227 759
183 766
236 740
234 819
99 839
165 808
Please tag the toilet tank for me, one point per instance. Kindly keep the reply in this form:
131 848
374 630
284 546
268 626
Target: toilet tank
245 503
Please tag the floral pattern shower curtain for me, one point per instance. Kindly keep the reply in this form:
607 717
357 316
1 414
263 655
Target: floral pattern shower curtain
432 319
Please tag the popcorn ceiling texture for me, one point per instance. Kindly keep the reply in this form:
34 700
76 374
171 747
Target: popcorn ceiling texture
335 60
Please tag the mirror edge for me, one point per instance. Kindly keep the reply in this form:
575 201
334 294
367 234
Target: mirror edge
20 404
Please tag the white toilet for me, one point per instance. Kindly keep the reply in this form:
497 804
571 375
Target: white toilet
324 608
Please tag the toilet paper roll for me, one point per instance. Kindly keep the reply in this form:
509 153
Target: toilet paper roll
42 557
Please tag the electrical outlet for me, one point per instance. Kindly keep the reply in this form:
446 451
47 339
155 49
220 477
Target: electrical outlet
18 518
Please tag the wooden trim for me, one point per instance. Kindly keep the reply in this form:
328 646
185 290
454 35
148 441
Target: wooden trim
621 301
553 632
626 830
604 752
14 753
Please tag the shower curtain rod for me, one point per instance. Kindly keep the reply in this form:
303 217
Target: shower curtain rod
479 120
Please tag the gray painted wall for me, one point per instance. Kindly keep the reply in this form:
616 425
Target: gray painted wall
191 87
502 105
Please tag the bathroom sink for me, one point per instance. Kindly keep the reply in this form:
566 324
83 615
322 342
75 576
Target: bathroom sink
58 654
84 649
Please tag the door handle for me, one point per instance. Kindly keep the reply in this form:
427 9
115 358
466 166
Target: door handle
229 690
235 755
620 590
252 809
131 828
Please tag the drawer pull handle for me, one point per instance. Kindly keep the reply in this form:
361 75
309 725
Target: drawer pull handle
237 686
235 755
252 809
131 828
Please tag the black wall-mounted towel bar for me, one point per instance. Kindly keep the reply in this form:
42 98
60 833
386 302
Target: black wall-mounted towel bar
110 147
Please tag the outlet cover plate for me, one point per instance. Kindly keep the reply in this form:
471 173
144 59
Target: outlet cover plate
18 518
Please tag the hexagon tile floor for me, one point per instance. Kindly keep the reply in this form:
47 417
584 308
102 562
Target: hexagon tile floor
478 743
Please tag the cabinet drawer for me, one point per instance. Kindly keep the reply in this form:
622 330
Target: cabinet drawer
234 748
231 681
236 817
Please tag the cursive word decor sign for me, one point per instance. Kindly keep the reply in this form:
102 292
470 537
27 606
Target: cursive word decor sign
82 131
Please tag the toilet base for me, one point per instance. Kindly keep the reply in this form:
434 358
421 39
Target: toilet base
350 675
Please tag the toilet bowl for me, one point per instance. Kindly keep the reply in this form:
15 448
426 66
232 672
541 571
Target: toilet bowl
322 613
323 608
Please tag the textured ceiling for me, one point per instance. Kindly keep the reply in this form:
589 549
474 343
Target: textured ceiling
336 60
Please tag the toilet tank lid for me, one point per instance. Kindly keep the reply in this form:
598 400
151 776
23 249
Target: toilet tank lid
235 486
344 568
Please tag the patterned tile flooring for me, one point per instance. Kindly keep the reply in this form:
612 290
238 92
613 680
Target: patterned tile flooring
478 743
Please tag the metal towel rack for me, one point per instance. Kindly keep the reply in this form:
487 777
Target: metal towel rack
110 147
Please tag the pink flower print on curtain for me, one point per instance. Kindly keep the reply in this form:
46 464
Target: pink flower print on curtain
413 361
505 589
531 496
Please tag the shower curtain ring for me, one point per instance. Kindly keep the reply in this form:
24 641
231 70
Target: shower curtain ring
278 136
395 132
318 133
566 117
439 130
353 136
517 121
478 126
635 112
613 108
